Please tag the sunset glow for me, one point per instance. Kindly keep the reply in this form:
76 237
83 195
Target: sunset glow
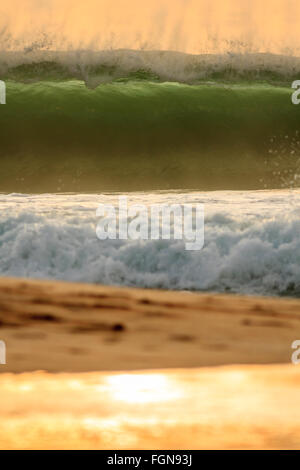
194 26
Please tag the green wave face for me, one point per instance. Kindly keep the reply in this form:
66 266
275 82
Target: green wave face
138 133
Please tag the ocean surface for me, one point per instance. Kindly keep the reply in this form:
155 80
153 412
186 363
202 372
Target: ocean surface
252 242
80 128
142 121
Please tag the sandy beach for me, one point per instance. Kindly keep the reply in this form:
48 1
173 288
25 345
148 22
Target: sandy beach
115 368
66 327
231 407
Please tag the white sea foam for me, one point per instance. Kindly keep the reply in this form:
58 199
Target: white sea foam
252 243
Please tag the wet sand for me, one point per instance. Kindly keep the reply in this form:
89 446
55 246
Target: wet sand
66 327
65 342
232 407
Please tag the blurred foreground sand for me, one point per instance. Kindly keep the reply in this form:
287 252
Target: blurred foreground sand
232 407
66 327
70 331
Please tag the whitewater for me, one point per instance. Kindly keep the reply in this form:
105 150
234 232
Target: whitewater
252 243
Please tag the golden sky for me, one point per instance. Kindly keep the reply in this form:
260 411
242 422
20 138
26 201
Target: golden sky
194 26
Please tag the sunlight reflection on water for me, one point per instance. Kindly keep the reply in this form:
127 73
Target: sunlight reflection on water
223 407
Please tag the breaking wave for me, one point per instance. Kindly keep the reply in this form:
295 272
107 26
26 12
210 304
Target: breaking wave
251 245
169 120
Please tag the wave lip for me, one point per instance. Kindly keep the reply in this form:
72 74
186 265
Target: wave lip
95 68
